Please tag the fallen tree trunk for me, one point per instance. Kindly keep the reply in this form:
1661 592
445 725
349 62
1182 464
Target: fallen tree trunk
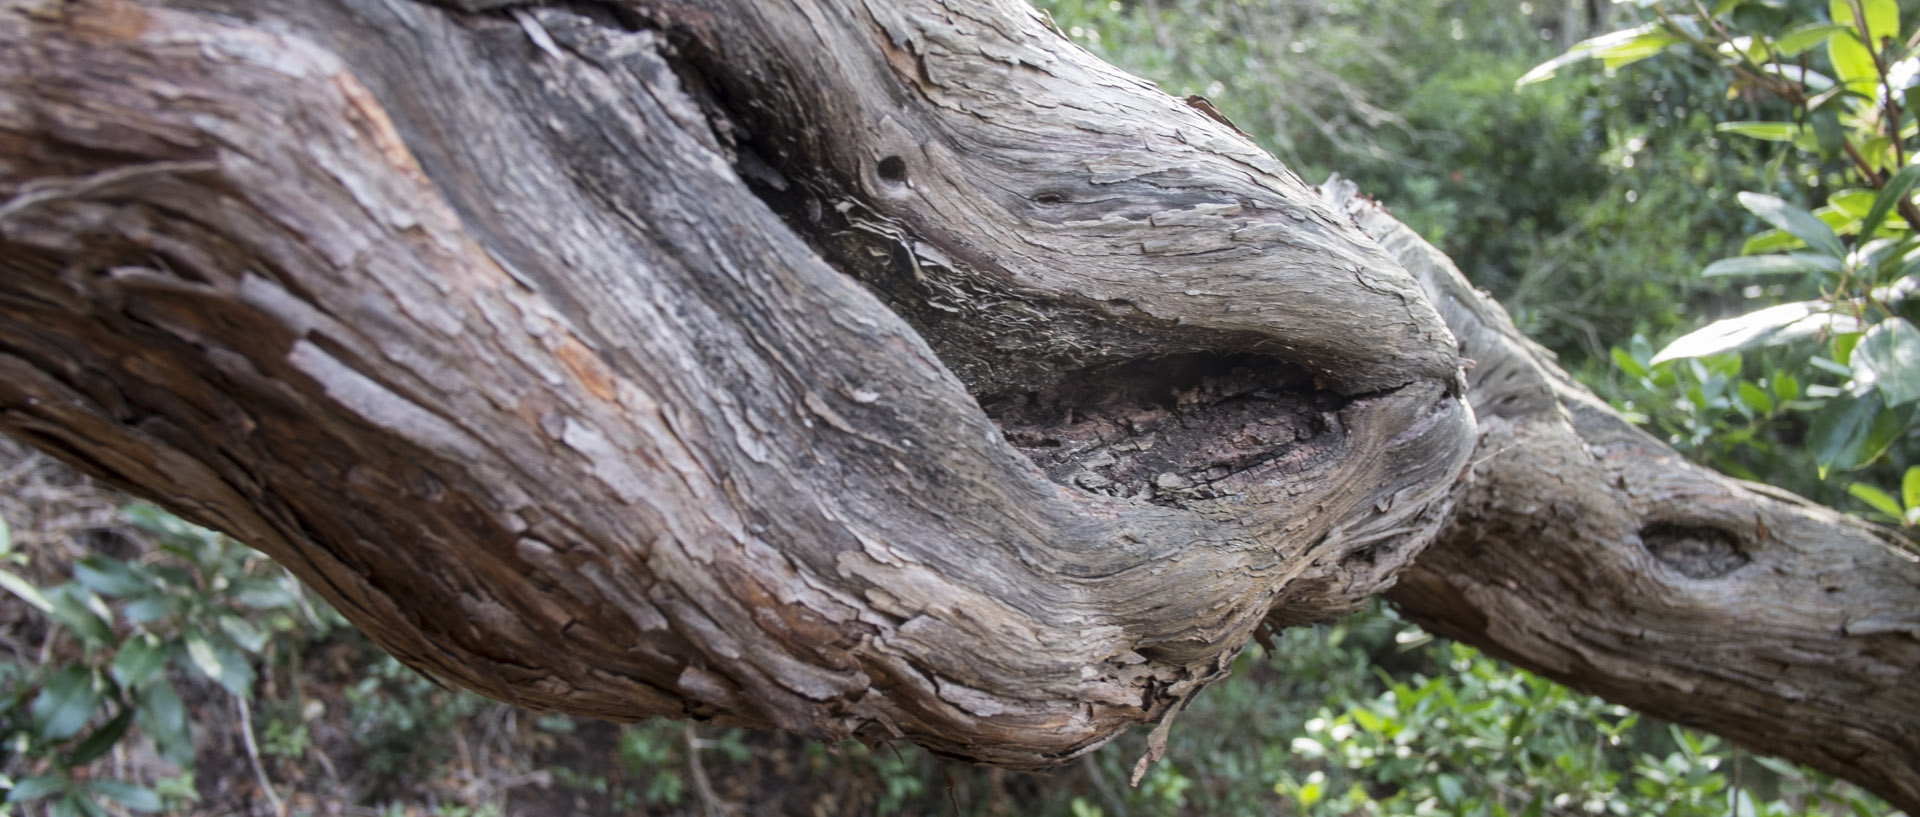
857 370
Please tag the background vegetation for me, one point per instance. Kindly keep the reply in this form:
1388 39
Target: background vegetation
153 666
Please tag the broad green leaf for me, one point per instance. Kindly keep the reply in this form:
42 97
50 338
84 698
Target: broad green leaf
1637 48
1769 241
1627 364
1805 38
66 703
1888 358
34 788
1852 53
26 591
1802 224
1890 196
139 659
1854 202
1772 326
1848 434
81 612
109 577
263 594
164 718
101 740
243 633
136 798
1910 487
1789 264
219 661
1878 499
1755 397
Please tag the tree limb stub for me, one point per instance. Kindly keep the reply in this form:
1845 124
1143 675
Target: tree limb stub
1586 550
468 317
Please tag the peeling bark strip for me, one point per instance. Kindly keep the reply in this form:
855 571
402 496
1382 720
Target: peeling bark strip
1586 550
467 316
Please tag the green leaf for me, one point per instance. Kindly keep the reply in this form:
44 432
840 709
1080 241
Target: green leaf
1755 397
1621 42
34 788
1890 197
1768 131
82 612
164 718
1910 487
1852 54
243 633
1875 497
1888 358
6 538
109 577
1625 361
26 591
101 740
1769 241
1450 789
1806 37
136 798
1789 264
1772 326
66 703
139 659
1802 224
1848 434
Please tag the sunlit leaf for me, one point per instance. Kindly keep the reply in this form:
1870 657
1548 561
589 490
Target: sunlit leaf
1789 264
1888 358
26 591
1772 326
1769 131
1802 224
1806 37
1852 53
1590 49
1878 499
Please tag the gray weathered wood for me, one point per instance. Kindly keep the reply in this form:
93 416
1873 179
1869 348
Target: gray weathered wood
856 369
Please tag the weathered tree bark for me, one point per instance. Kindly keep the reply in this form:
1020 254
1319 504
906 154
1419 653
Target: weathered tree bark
1585 549
856 369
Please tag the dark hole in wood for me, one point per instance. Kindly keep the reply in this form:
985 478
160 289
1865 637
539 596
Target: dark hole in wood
1175 428
1697 551
1048 198
893 169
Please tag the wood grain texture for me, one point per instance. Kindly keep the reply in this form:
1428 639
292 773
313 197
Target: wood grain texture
470 317
1586 550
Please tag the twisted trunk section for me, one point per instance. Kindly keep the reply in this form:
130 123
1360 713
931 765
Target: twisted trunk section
856 369
468 316
1586 550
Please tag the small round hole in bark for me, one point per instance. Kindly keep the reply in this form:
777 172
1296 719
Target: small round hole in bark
1697 551
894 170
1048 197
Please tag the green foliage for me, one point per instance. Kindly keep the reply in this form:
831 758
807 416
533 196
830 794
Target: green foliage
1838 76
120 633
